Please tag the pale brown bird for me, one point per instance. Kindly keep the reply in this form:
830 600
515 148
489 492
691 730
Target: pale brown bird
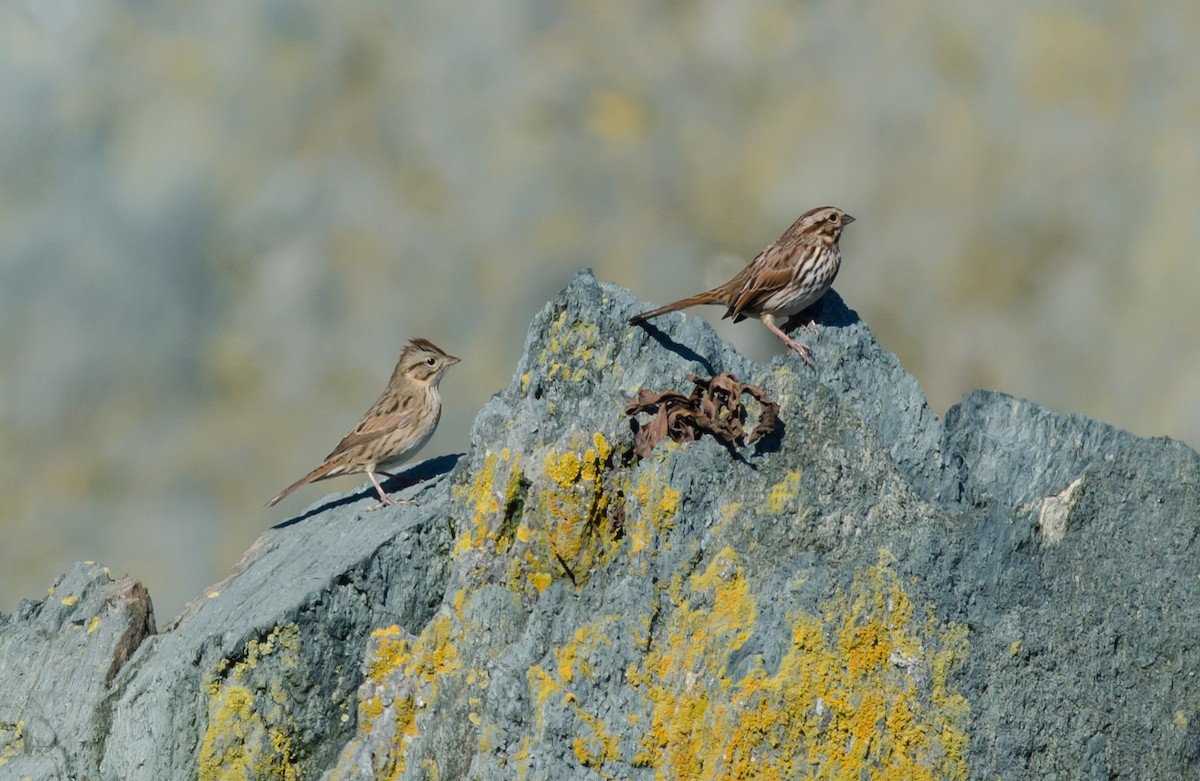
783 280
395 427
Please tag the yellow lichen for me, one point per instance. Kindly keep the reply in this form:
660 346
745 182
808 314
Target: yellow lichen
593 744
577 342
569 529
486 524
603 449
574 505
783 492
597 745
843 703
390 651
12 740
249 728
540 581
542 685
482 495
658 503
412 674
434 654
574 657
562 468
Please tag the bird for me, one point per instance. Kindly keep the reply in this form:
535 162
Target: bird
783 280
396 426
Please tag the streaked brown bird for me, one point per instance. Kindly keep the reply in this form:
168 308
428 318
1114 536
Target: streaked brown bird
783 280
395 427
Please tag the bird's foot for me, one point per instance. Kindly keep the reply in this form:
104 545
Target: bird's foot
802 349
387 501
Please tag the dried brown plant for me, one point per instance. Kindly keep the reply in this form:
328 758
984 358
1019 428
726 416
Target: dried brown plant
715 407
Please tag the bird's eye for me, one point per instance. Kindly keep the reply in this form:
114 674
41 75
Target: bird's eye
833 217
431 361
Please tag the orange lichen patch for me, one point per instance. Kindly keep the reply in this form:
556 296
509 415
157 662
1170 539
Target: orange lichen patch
481 496
434 654
864 691
595 745
543 686
684 675
562 468
389 652
541 580
551 523
574 657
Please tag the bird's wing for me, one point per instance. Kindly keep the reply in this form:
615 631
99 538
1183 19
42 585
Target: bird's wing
372 427
765 276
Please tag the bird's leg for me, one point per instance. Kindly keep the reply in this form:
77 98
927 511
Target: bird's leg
802 349
799 321
385 500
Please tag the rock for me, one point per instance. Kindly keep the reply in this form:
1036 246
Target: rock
866 592
58 657
257 678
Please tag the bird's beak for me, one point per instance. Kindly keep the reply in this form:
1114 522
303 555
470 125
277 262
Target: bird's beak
847 219
451 360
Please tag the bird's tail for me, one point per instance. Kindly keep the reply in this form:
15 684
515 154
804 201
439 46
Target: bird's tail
707 297
327 469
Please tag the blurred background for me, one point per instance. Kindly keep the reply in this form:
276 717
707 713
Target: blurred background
220 221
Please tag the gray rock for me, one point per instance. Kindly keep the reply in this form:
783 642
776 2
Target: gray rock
867 592
57 659
257 678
